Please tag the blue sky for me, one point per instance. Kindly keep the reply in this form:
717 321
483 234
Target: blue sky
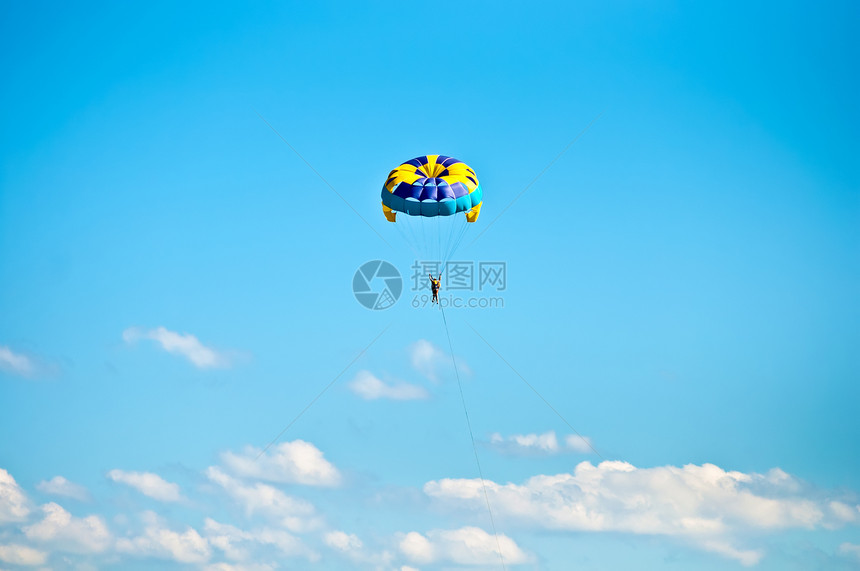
175 287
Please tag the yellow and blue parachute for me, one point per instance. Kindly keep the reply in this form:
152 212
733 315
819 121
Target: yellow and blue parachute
432 185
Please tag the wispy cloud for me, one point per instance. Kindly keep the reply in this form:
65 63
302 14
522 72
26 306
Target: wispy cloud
852 550
62 531
184 344
545 443
464 546
223 566
296 462
425 357
428 359
539 444
577 443
351 547
59 486
369 387
14 505
342 541
16 363
159 541
148 484
706 505
15 554
238 544
256 498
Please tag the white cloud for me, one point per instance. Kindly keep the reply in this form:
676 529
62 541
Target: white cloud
240 567
65 532
850 549
15 363
296 462
369 387
22 555
148 484
578 443
427 358
705 504
844 512
183 344
295 514
238 544
13 502
229 539
350 546
161 542
417 547
59 486
342 541
464 546
746 557
546 443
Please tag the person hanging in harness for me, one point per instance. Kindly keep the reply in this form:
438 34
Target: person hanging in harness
434 286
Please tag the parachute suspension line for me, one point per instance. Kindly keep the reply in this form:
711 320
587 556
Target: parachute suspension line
423 235
432 224
431 237
427 248
461 234
451 226
460 226
406 228
432 240
413 232
399 226
439 228
472 437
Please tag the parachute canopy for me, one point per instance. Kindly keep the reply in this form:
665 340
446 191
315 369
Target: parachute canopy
432 185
